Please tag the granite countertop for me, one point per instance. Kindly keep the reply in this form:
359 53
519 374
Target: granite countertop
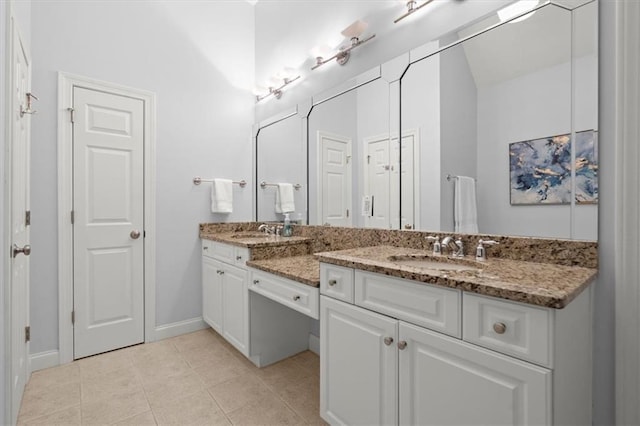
251 239
304 269
542 284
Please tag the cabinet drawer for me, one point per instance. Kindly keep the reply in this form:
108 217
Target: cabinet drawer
433 307
512 328
300 297
336 282
225 252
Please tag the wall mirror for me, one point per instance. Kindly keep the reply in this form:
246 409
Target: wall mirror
349 144
515 109
280 158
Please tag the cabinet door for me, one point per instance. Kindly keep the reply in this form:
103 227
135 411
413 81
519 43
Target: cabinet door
444 381
236 309
212 293
358 370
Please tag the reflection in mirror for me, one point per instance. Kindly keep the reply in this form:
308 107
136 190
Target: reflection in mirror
280 158
465 105
352 159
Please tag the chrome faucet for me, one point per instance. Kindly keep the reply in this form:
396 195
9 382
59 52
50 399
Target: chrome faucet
455 246
437 247
268 230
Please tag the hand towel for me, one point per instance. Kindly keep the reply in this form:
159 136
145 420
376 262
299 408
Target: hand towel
465 211
222 196
284 198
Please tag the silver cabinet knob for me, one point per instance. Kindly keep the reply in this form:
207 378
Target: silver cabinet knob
26 250
296 298
499 328
238 257
333 282
220 272
388 340
402 344
135 234
256 282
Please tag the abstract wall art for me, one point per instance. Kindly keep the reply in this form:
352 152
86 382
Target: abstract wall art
540 171
587 167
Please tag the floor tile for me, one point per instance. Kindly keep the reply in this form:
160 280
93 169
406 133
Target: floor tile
68 416
196 409
267 411
164 390
111 410
145 419
197 340
109 385
43 401
239 392
98 365
221 369
304 399
68 373
283 373
203 355
149 352
160 368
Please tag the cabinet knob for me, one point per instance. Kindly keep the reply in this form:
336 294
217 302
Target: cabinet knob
402 344
256 282
499 328
296 298
388 340
332 282
219 272
238 257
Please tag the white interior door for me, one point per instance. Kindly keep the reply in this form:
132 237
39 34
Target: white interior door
377 182
19 281
108 232
335 180
409 197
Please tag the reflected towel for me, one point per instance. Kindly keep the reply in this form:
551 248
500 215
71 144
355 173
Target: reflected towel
222 196
284 198
465 211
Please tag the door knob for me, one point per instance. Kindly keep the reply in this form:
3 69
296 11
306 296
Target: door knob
26 250
135 234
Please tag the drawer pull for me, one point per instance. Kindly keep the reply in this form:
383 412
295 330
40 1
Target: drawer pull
332 282
219 272
402 344
238 257
499 328
205 248
388 341
296 298
256 282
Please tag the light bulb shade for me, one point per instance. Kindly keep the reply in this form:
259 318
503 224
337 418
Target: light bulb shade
322 51
355 29
516 9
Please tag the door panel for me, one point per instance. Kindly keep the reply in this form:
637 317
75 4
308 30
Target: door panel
335 177
212 293
108 207
378 168
236 306
20 191
359 373
444 381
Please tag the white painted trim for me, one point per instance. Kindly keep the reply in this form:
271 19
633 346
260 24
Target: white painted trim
180 327
314 344
43 360
66 82
627 312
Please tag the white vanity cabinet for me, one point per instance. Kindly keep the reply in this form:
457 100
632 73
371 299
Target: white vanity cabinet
225 301
436 358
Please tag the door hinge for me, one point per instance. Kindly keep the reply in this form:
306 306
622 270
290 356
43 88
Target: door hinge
27 218
27 334
73 217
73 317
71 115
368 159
347 212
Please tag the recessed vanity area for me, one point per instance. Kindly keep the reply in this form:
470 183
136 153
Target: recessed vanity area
416 321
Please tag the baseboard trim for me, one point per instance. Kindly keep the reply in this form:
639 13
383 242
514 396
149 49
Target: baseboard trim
43 360
314 344
178 328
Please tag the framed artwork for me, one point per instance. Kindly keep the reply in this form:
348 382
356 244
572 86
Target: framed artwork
540 171
587 167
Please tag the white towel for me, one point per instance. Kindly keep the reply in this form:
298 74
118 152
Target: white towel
222 196
465 211
284 198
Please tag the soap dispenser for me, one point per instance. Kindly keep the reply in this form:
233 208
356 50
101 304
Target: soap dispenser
287 231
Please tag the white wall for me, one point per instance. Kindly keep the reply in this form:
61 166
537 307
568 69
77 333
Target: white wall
198 57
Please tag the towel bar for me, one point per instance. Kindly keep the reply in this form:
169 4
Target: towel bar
198 180
264 184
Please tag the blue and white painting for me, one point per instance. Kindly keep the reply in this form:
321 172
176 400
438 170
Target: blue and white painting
587 167
540 171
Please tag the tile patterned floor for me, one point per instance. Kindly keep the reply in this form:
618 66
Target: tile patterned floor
193 379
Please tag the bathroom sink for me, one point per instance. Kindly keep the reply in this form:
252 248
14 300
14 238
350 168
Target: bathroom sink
424 261
250 235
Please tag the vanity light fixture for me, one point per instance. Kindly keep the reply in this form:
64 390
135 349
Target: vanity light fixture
277 91
352 32
412 8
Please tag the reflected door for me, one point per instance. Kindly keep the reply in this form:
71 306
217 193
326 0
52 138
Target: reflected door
378 169
335 180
